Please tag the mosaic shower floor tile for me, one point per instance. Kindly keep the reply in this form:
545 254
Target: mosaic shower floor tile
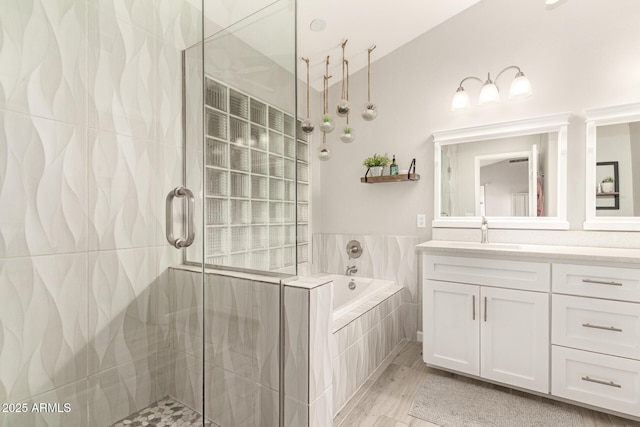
164 413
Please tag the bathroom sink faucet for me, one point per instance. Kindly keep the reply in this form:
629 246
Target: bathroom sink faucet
484 230
351 270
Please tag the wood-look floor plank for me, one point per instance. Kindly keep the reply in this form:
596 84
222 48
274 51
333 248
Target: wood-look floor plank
384 421
387 396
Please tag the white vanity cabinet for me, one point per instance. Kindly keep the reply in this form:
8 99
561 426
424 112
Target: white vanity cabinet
488 318
596 336
557 320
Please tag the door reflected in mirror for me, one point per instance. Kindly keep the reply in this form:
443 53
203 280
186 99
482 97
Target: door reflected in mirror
617 177
502 177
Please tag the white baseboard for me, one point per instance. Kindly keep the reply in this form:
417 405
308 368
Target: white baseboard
419 336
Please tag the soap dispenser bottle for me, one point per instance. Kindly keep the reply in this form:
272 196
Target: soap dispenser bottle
393 169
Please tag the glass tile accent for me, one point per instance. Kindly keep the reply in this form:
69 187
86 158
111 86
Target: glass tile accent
258 112
217 153
239 158
216 95
252 177
216 124
217 211
238 104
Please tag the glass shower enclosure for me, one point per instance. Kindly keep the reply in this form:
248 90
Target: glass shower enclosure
153 197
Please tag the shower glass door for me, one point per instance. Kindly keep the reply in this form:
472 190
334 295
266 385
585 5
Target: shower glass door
240 162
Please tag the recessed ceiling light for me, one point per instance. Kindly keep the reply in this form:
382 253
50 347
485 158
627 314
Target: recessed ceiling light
550 2
318 24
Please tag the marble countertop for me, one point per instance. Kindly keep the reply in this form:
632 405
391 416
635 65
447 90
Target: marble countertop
533 252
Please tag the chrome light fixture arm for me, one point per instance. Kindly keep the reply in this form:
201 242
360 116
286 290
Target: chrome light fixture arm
518 74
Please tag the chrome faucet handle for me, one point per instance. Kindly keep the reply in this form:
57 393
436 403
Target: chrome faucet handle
484 230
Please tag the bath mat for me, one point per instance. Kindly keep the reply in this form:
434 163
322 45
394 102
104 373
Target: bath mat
448 402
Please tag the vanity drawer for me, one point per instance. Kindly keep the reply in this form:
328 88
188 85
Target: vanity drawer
610 327
596 379
528 276
597 281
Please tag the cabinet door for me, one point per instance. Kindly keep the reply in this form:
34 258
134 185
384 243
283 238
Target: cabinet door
450 325
515 338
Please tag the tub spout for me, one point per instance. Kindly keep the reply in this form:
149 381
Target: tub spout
351 270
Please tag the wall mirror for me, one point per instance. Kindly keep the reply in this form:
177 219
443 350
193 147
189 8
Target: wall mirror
613 168
514 173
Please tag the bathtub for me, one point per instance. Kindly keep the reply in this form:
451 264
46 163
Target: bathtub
346 300
366 327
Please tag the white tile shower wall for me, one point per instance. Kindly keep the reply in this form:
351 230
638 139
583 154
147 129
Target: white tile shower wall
383 257
362 345
240 359
90 107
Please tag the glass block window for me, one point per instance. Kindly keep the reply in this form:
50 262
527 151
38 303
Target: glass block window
255 164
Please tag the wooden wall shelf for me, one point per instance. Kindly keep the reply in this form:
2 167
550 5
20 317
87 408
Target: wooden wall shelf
387 178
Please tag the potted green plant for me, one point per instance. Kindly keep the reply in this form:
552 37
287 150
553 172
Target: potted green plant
348 135
608 185
326 124
376 163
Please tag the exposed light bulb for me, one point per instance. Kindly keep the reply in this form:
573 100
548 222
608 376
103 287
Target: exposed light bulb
460 100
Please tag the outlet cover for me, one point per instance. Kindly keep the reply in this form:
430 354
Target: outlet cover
421 221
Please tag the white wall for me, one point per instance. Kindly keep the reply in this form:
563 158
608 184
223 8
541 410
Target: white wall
577 56
635 160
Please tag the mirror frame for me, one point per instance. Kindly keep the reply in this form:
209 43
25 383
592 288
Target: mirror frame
558 123
595 117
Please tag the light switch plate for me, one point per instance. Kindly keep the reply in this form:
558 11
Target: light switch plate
421 221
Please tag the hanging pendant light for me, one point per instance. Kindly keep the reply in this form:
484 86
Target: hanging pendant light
348 133
343 108
370 111
324 152
307 125
326 122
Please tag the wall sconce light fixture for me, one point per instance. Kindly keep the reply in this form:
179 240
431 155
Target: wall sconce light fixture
520 88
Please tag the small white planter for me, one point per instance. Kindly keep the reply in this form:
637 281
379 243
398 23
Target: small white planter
376 170
608 187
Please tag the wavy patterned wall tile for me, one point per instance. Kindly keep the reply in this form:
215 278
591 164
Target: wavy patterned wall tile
320 337
268 334
168 176
121 76
296 336
43 318
178 22
43 57
121 187
185 312
123 293
121 391
43 192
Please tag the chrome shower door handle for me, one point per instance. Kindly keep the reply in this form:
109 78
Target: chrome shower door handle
188 218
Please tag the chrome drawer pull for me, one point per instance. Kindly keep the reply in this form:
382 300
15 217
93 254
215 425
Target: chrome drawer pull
485 309
473 305
602 282
609 383
606 328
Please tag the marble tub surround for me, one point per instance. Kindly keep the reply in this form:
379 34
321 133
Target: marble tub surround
384 257
360 345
